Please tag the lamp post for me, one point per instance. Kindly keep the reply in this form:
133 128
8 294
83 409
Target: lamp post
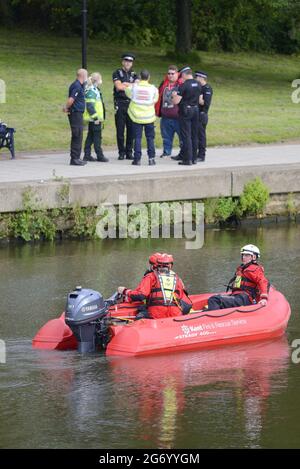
84 33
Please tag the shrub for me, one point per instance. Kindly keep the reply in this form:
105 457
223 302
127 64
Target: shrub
254 197
225 208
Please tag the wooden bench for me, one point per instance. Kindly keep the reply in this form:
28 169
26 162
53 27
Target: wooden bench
7 138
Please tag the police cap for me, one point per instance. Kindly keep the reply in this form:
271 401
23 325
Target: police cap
186 69
128 56
200 74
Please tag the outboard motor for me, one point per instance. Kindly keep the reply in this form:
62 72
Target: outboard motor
84 309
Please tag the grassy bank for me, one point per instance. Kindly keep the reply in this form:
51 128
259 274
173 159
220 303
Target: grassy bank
251 104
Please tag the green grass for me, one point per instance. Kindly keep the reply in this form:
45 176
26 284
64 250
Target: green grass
251 103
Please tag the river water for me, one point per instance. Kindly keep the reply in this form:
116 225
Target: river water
243 396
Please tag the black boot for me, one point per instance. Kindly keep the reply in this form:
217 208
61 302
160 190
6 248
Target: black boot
77 162
176 158
88 158
200 157
102 159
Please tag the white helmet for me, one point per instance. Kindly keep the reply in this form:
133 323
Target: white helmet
250 249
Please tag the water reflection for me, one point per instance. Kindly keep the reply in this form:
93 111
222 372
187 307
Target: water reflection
160 386
233 397
212 398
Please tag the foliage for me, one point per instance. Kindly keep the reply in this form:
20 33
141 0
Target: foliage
136 220
234 25
64 192
142 22
84 222
290 205
220 209
4 225
32 223
252 201
225 208
37 223
254 197
210 206
229 25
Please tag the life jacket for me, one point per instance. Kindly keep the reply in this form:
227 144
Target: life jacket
241 283
164 290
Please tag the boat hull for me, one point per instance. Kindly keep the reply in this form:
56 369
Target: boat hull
55 335
202 330
198 330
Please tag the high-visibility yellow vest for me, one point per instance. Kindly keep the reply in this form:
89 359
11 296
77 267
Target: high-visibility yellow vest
94 102
167 282
143 96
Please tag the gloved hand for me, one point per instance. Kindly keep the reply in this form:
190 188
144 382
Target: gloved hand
263 302
121 290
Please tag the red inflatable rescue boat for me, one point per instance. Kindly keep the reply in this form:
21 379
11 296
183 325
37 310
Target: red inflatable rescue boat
117 330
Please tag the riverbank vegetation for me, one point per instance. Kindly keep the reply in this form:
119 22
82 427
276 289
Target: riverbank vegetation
36 222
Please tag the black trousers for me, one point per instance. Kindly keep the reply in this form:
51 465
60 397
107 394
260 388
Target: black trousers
94 137
227 301
188 123
203 120
76 124
122 121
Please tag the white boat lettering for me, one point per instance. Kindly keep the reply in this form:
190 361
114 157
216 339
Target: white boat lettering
230 323
188 334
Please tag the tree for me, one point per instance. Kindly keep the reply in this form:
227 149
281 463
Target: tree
183 37
4 12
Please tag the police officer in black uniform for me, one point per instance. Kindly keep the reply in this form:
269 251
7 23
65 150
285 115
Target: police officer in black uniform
122 78
187 97
205 101
74 107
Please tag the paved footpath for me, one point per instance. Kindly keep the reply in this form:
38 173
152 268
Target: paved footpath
52 165
225 174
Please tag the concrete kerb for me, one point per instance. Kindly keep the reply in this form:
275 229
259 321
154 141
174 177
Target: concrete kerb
140 188
192 183
280 179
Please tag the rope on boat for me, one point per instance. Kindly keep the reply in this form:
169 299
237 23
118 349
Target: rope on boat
218 316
